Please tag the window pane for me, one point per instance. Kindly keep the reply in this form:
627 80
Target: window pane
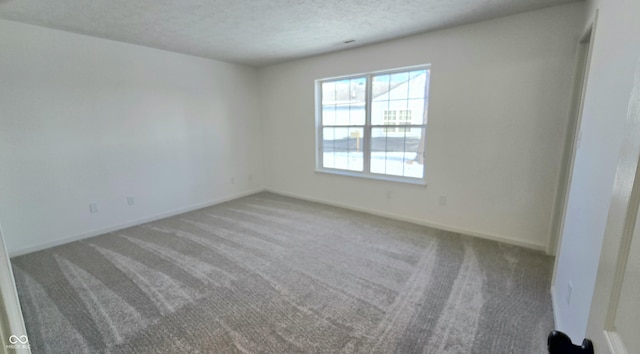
356 154
343 102
413 156
358 89
397 105
329 114
328 147
399 86
378 110
380 87
357 98
416 107
328 92
357 114
342 148
387 152
417 83
378 162
397 152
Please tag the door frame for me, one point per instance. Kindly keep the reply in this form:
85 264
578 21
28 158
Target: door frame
11 320
573 134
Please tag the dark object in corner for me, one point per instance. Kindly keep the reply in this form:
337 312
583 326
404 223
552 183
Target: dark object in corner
560 343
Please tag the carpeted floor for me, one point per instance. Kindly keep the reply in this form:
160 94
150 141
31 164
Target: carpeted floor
271 274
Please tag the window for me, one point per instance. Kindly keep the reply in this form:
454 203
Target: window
374 125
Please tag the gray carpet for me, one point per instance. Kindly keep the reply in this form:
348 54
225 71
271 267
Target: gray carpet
271 274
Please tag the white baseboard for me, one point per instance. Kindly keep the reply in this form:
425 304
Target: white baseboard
492 237
144 220
615 343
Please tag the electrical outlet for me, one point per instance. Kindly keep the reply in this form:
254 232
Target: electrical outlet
443 200
250 177
93 208
233 180
131 201
569 292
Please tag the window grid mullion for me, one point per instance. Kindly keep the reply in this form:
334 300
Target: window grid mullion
366 143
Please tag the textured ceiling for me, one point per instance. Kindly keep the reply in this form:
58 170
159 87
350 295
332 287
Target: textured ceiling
257 32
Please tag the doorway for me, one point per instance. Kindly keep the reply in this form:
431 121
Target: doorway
572 137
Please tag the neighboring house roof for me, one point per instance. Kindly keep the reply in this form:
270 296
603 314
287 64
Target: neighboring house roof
352 92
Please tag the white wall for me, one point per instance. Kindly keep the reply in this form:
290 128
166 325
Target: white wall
499 107
89 120
616 51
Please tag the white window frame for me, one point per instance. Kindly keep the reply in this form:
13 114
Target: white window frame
368 127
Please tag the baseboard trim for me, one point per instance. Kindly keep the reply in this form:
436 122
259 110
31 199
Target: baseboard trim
615 343
92 233
487 236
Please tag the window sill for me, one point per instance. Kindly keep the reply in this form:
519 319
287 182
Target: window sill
397 179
